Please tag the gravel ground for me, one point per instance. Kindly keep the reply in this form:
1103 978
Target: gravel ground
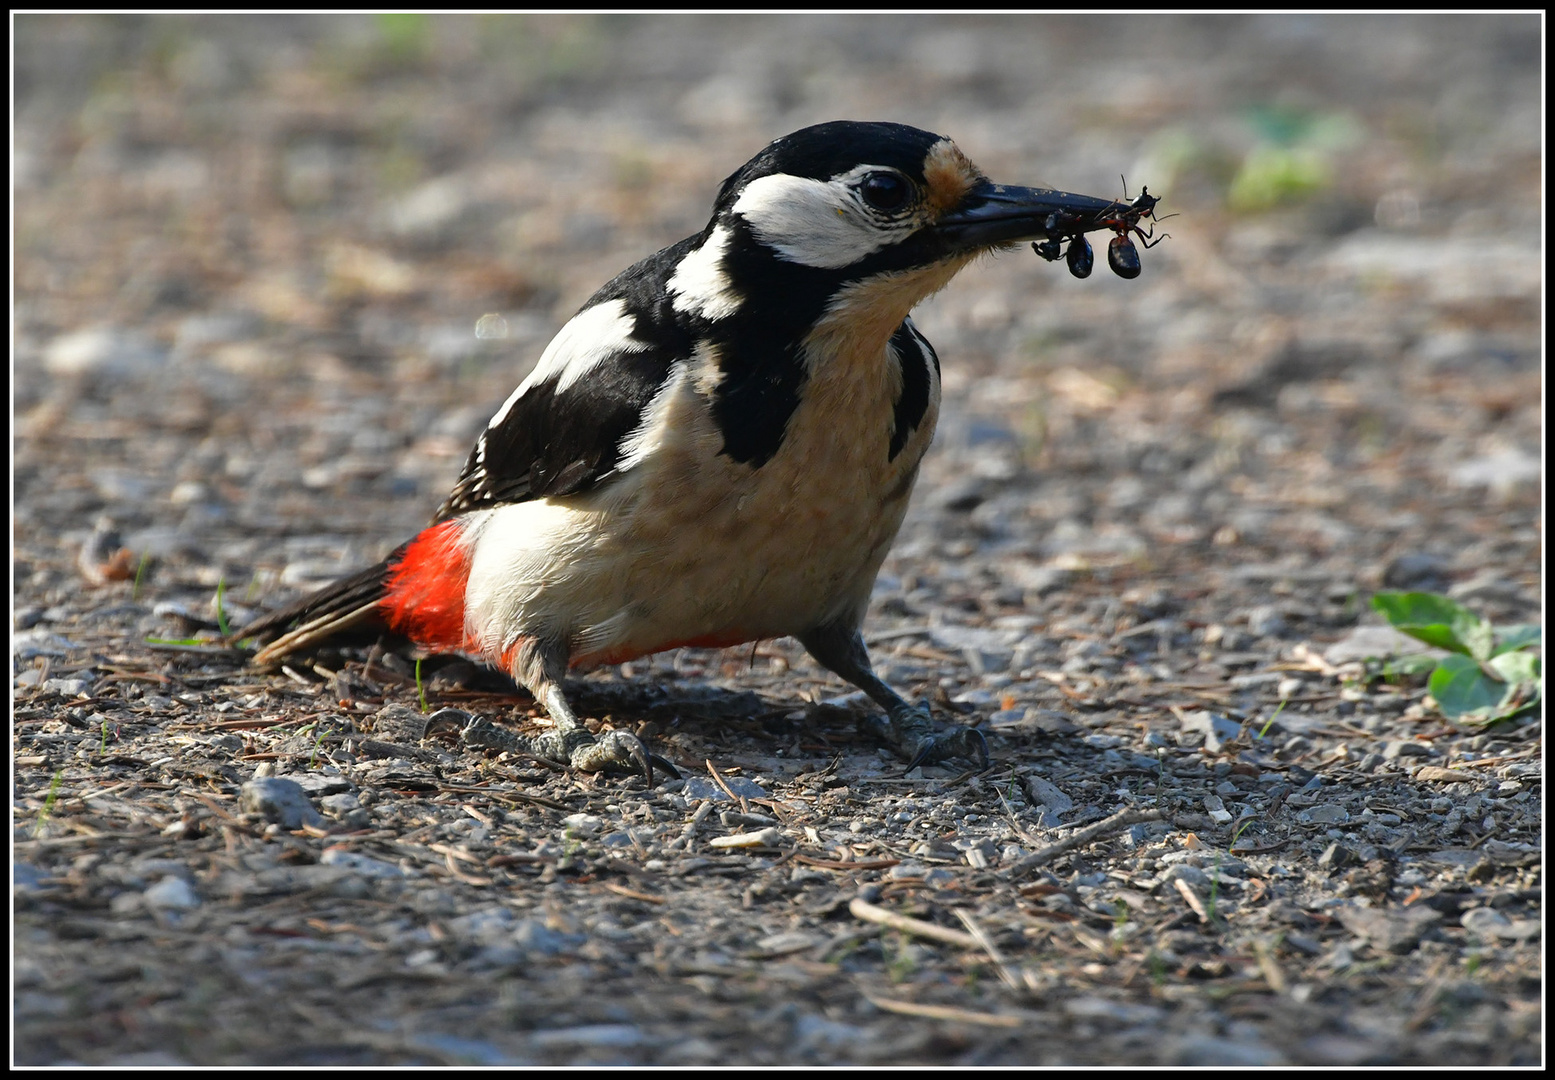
250 254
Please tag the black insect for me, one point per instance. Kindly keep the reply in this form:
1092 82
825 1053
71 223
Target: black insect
1048 248
1123 256
1122 218
1080 257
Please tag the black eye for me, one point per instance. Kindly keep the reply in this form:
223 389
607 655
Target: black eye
886 191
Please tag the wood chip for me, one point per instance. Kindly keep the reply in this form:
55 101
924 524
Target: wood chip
622 890
1270 967
455 853
1193 899
835 864
983 940
762 838
945 1012
1116 823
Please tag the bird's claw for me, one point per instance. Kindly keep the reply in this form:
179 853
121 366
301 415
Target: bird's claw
620 752
966 742
614 751
667 767
910 732
611 751
482 732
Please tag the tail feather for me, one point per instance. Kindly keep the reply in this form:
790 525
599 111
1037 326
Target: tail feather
351 602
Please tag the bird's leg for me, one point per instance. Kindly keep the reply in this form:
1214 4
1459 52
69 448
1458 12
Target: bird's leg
907 729
539 666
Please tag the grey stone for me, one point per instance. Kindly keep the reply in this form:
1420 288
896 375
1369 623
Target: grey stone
1213 729
584 825
280 801
1417 570
171 892
356 863
319 783
341 804
1368 642
1324 814
1210 1050
1265 620
103 352
1488 923
26 877
1395 931
34 643
536 937
614 1036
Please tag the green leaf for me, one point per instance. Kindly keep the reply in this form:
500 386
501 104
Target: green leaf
1521 636
1516 667
1438 621
1464 692
1409 664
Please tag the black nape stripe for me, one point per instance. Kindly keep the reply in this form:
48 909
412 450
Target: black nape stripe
760 348
752 406
915 354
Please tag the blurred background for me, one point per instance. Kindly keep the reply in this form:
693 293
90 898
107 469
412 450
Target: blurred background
251 253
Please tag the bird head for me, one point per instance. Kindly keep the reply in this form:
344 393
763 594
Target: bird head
860 221
864 198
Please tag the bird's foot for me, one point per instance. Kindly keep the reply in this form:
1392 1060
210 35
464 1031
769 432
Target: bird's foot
610 751
910 732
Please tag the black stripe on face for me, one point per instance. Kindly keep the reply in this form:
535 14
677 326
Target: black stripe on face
760 348
914 353
761 353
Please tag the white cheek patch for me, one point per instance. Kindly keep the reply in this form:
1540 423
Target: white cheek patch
699 283
589 338
814 222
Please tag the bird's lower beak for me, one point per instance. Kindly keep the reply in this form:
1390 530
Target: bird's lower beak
993 214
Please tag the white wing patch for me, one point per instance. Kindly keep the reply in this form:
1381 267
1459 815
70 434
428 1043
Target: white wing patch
589 338
819 223
640 443
699 283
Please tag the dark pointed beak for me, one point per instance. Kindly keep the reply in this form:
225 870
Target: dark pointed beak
993 214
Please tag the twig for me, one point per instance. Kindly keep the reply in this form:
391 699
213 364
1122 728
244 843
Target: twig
454 853
745 806
870 913
622 890
297 677
1117 822
1193 900
944 1012
1485 762
458 874
1015 826
901 632
983 940
837 864
1272 973
512 797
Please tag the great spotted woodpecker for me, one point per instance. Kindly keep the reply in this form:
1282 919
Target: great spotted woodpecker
718 448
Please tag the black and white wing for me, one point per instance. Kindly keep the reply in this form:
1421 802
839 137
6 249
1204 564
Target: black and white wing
561 431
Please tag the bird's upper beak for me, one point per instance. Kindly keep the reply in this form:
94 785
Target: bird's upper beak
992 214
